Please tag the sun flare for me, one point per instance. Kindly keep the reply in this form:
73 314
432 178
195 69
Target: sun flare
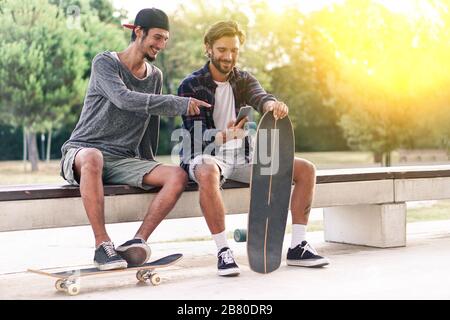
400 48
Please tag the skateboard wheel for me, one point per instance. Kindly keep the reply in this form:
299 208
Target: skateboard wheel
60 285
140 275
155 279
240 235
73 289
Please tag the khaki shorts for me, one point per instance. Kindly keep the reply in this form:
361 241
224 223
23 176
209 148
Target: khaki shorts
116 169
231 162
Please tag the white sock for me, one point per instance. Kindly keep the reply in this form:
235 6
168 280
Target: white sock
298 234
221 240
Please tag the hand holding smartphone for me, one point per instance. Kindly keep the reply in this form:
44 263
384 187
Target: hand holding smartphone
233 131
243 112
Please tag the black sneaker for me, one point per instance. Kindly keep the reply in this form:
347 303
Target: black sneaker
106 257
226 265
135 251
304 255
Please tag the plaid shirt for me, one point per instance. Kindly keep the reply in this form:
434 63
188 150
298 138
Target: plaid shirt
200 85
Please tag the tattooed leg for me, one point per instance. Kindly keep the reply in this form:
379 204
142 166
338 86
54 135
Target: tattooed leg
303 193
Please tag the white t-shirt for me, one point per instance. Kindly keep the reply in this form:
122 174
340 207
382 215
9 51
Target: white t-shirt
224 105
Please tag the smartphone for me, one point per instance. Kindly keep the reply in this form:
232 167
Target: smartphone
243 112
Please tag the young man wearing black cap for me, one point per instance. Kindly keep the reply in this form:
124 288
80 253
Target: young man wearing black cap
228 89
116 137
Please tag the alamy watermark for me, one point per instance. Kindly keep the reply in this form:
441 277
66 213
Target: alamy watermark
73 14
266 152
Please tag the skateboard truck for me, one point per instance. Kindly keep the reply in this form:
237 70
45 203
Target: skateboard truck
144 275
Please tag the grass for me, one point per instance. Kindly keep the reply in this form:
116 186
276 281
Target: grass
438 211
338 158
14 172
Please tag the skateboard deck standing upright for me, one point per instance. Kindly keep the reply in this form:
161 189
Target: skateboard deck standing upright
68 281
270 192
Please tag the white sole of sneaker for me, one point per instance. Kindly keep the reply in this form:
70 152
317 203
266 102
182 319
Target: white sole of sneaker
309 264
232 272
111 266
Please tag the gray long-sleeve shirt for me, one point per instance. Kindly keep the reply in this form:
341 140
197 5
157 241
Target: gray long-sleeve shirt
121 113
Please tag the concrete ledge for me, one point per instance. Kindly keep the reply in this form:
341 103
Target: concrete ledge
422 189
353 193
28 192
62 212
363 206
66 212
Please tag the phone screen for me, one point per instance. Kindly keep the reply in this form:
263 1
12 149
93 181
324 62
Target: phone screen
243 112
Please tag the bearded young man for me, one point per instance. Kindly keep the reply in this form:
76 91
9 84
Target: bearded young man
116 137
227 89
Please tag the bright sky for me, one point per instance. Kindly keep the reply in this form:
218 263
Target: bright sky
412 8
169 5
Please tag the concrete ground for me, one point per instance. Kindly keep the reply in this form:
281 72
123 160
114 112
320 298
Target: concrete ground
418 271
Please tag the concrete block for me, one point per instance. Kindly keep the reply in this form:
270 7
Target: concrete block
382 226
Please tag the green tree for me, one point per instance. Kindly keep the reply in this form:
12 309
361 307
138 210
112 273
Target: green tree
103 9
41 68
106 11
99 23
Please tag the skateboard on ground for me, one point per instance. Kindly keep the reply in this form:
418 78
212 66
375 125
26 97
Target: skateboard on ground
68 281
270 193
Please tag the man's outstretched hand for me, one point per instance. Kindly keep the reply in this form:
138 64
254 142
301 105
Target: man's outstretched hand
194 106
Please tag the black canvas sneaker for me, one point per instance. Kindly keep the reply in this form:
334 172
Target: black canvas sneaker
304 255
106 257
226 265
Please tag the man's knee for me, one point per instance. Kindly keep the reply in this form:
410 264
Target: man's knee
89 160
304 169
179 177
207 173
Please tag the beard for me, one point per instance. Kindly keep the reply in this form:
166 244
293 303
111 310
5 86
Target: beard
143 49
149 58
216 63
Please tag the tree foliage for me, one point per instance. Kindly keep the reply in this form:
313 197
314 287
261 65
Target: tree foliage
386 72
354 69
45 58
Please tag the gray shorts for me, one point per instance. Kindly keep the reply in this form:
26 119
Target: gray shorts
116 169
231 162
